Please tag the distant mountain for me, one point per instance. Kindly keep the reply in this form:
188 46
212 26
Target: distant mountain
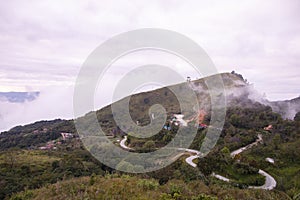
18 97
287 108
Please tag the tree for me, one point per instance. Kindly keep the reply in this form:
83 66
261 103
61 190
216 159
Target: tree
225 151
10 158
149 145
167 138
276 141
235 120
206 165
297 117
125 166
226 154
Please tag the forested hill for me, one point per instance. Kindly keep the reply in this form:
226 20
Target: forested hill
49 154
38 133
238 92
35 135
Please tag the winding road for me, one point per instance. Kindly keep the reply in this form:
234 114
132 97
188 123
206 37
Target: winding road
123 145
270 182
189 159
240 150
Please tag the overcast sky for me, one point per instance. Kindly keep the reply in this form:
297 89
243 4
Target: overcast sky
44 43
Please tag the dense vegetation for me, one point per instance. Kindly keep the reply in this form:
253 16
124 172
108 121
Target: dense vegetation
56 172
21 169
34 135
117 186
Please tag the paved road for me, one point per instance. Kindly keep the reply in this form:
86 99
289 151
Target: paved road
270 182
222 178
123 145
189 160
190 150
240 150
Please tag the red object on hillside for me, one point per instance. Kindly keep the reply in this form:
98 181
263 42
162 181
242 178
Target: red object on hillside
202 126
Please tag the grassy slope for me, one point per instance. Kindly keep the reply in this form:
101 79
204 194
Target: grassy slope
20 169
126 187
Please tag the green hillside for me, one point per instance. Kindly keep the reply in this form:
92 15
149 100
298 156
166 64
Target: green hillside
36 162
132 187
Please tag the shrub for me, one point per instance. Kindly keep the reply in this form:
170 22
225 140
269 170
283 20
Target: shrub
148 184
204 197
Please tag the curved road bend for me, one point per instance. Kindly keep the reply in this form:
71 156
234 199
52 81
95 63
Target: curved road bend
270 182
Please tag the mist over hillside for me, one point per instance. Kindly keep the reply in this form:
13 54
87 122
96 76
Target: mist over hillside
26 107
288 108
241 93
